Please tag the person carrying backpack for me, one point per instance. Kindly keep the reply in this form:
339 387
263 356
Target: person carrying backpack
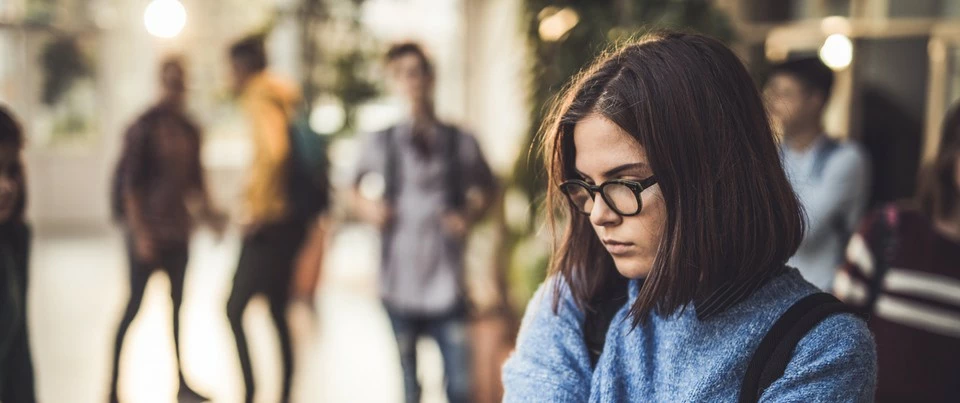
832 178
284 197
670 283
437 184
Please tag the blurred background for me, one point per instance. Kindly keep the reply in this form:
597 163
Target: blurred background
77 72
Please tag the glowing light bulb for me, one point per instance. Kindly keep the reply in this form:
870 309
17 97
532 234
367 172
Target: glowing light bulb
554 26
328 116
165 18
837 52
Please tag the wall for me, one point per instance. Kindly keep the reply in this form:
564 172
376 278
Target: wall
70 187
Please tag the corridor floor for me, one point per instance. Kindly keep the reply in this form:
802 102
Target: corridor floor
78 291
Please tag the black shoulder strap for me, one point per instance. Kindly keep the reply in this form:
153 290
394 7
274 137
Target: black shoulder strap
771 357
390 182
822 155
455 192
390 169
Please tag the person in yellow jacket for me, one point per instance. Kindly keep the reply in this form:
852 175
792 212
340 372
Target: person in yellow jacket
274 250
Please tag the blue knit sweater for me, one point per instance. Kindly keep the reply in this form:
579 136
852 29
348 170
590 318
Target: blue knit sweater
683 359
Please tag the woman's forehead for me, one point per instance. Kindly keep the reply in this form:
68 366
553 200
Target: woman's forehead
601 145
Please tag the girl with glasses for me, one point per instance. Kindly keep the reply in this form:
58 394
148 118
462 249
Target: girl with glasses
677 223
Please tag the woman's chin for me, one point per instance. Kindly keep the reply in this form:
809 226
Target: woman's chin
632 267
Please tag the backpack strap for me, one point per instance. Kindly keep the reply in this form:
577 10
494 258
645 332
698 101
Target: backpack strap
822 155
771 357
456 199
455 196
391 174
391 185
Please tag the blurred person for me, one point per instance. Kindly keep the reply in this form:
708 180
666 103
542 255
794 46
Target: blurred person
159 195
437 186
831 178
903 267
16 366
670 282
283 231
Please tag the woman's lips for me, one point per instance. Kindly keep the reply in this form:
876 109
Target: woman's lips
618 248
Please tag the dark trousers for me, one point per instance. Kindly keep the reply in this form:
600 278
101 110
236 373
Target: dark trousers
18 369
171 258
449 330
266 266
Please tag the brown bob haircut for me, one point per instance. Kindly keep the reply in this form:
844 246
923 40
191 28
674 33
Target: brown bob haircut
938 192
731 213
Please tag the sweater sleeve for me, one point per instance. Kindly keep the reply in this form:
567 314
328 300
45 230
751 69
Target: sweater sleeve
835 362
550 363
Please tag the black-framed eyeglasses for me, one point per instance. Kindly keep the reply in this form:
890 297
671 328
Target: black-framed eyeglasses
623 196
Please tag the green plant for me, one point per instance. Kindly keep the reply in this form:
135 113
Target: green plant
63 64
337 54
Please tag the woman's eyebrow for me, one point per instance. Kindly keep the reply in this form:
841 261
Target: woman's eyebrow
617 170
623 168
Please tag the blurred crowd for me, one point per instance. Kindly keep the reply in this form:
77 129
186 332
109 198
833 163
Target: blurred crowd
900 262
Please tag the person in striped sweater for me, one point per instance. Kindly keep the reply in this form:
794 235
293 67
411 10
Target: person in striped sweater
903 267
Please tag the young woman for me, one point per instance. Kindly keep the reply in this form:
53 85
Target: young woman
679 217
16 367
903 267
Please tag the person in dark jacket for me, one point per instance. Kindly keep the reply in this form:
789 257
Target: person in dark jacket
16 367
159 179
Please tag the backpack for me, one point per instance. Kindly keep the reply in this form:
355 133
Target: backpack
769 360
308 186
823 154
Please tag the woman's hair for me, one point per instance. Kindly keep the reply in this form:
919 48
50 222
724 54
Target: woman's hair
938 194
11 135
730 211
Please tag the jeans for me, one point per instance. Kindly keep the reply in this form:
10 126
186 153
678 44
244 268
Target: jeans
450 332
